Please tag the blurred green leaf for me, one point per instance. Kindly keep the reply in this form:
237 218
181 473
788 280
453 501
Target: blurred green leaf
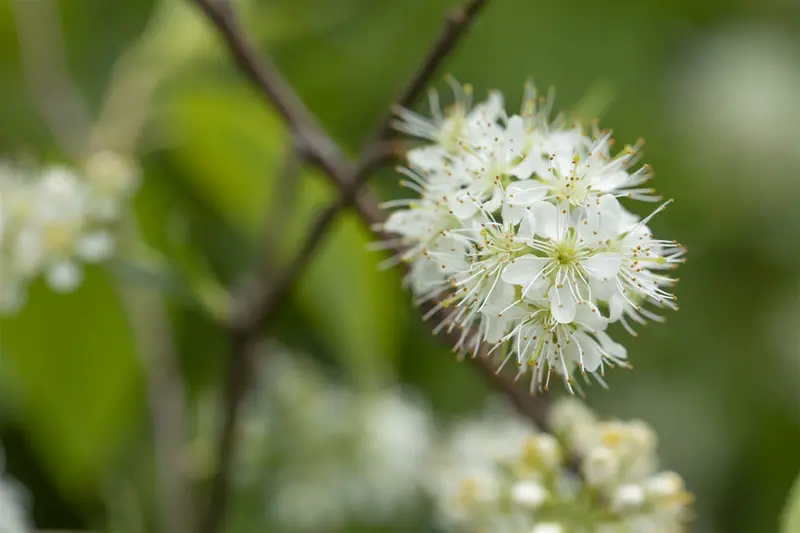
349 297
74 357
790 522
229 145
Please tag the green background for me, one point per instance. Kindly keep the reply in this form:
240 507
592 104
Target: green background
713 87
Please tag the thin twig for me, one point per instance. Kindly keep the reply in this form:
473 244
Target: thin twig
166 399
456 22
240 363
375 150
42 49
166 396
313 142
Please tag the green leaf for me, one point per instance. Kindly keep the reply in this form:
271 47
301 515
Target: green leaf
356 305
790 521
73 359
230 143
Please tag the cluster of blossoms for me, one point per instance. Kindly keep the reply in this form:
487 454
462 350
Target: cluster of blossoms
13 507
54 218
325 456
518 233
499 475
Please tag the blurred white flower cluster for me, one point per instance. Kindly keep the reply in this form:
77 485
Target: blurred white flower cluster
13 507
516 230
329 456
500 475
54 218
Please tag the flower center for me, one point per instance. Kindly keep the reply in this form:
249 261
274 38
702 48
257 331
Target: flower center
566 253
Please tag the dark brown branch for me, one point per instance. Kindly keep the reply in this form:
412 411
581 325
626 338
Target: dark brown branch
313 142
456 22
376 149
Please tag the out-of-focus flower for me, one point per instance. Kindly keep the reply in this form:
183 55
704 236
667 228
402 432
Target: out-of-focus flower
55 218
527 483
334 456
516 230
13 507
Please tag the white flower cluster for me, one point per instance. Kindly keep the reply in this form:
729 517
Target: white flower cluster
499 475
328 456
13 507
517 231
54 218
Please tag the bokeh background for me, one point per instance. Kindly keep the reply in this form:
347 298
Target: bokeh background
713 87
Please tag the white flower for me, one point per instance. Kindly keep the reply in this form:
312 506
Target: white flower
53 219
532 485
601 466
628 497
528 494
547 527
13 505
337 456
113 179
518 236
466 478
448 129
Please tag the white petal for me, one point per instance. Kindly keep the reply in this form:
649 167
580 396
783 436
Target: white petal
562 304
616 307
614 348
527 227
525 192
591 354
512 214
603 289
426 157
500 298
604 265
29 251
494 203
602 219
495 328
95 246
490 110
462 206
589 315
515 135
523 270
64 276
426 275
546 216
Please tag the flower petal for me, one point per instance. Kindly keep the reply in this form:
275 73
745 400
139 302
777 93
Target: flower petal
64 276
546 220
562 304
589 315
592 357
603 266
95 246
523 270
525 192
614 348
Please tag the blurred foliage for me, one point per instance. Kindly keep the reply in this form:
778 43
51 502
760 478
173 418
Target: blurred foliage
791 514
718 381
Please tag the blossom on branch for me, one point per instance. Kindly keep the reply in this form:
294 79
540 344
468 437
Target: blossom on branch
54 218
497 474
516 233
